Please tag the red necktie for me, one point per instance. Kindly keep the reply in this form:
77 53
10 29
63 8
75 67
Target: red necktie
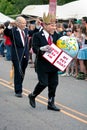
49 40
23 34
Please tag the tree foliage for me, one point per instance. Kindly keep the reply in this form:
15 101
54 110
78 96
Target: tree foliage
10 7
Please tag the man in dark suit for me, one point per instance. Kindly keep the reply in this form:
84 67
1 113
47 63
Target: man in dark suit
19 51
46 72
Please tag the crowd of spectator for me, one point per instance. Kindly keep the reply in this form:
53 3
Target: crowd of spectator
78 67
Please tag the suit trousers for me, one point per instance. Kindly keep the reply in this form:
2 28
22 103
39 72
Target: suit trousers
49 79
19 72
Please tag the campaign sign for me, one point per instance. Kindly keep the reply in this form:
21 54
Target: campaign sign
58 57
62 61
51 57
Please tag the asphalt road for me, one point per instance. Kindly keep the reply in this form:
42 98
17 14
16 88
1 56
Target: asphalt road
17 114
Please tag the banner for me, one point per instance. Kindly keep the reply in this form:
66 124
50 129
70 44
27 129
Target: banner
58 58
52 7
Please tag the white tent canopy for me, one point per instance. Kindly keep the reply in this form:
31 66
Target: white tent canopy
76 9
35 10
4 18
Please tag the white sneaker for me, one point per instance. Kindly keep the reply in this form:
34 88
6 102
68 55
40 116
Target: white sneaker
65 74
71 74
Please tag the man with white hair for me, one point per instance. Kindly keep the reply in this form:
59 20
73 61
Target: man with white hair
18 34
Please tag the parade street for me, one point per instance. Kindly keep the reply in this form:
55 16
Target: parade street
17 114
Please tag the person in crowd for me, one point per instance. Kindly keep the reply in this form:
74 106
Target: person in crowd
84 22
2 41
34 27
70 68
46 72
8 47
71 23
82 57
64 27
59 28
31 29
18 34
77 33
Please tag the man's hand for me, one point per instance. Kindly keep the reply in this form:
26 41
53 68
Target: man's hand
7 23
46 48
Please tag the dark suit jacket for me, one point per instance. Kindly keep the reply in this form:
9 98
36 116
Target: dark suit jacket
18 50
39 40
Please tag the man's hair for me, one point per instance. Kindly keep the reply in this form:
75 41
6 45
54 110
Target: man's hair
1 26
85 19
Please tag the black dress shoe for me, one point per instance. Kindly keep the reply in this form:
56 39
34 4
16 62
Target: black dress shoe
52 107
18 95
32 100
